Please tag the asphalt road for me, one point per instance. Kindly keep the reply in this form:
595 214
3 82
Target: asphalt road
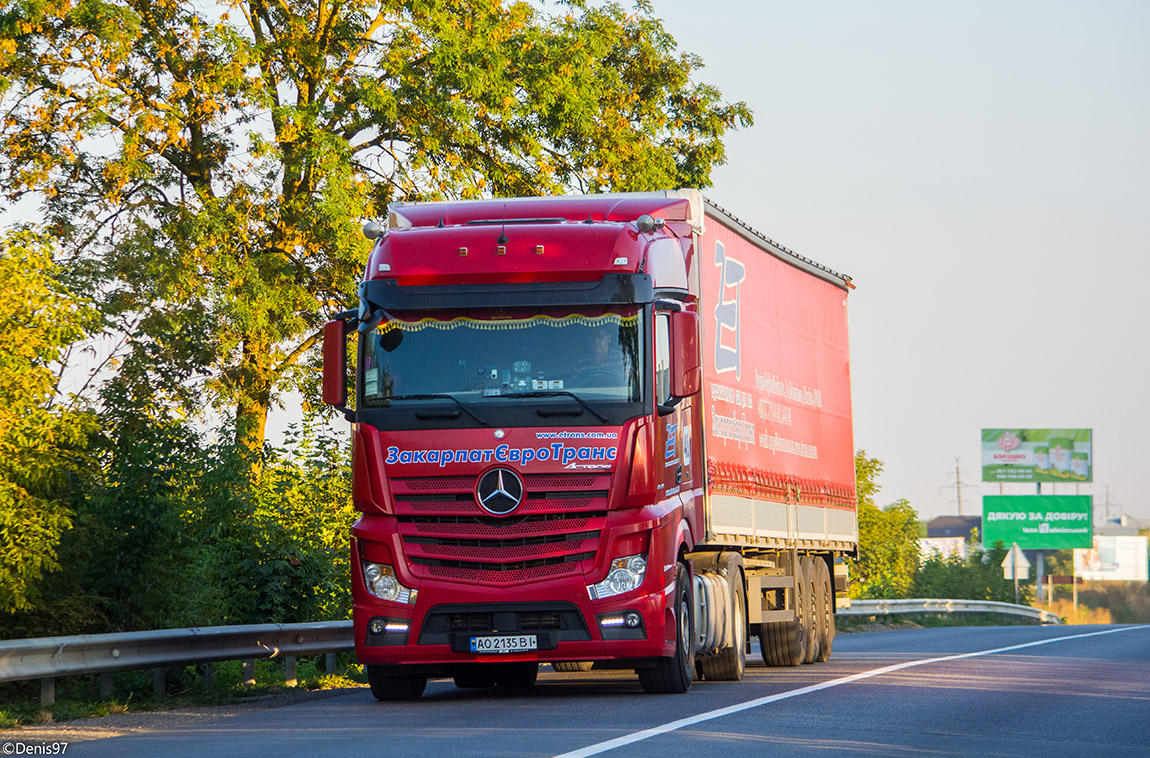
985 691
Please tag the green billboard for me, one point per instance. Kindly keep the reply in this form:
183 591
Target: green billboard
1038 522
1037 455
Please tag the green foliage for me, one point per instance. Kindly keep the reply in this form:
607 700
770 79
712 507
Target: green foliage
170 532
214 168
43 433
279 550
888 539
979 577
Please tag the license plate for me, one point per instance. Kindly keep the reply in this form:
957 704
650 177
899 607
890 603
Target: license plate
511 643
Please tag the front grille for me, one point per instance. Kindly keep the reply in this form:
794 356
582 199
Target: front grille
470 622
447 535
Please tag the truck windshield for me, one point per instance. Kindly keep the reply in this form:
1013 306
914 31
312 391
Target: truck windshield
547 355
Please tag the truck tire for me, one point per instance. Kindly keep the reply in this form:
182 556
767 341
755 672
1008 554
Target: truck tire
572 666
824 610
807 600
730 662
675 674
395 686
781 642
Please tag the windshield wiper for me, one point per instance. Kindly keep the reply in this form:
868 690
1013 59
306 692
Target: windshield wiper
452 398
559 393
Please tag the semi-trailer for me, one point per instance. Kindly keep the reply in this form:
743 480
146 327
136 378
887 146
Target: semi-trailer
607 431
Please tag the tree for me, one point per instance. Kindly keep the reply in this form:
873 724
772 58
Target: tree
212 167
888 538
43 436
978 577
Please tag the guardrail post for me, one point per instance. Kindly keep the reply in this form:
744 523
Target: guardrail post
249 673
107 682
206 677
329 663
47 691
159 681
290 671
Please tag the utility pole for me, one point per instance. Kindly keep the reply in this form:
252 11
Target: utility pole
958 485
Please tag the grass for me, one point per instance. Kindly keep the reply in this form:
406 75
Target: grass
78 697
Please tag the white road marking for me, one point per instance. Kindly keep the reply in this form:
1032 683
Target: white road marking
655 731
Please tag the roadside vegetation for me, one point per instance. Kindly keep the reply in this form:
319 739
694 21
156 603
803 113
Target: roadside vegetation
79 696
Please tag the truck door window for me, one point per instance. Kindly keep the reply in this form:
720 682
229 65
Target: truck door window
662 358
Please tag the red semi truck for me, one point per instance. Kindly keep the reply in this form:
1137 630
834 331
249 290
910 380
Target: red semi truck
600 430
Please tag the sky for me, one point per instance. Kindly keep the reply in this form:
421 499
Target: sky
982 171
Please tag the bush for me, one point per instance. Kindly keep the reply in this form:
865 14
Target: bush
979 577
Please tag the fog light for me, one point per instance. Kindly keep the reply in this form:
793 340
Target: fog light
632 619
376 626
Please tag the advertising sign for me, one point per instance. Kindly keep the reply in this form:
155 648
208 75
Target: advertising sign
775 366
1114 559
1037 455
1038 522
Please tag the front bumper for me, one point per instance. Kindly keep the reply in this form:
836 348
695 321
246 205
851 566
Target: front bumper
567 625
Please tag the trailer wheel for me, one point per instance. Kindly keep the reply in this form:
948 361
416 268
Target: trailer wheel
808 600
395 686
675 674
572 666
824 610
730 662
781 642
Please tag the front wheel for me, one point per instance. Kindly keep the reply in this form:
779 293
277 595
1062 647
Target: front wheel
675 674
395 686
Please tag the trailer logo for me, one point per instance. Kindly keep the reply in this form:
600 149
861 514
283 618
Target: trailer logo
731 276
499 491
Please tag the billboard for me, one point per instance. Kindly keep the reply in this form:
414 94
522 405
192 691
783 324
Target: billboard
1114 559
1037 455
1038 522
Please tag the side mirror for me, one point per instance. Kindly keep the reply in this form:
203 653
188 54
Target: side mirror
686 371
335 364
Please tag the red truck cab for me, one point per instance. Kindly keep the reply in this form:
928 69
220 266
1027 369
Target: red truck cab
526 384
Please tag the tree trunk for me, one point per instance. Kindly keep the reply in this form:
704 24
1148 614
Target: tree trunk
253 400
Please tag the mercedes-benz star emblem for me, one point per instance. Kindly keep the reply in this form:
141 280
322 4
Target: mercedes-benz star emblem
499 491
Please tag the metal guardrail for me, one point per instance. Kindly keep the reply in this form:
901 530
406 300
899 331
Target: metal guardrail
46 658
889 607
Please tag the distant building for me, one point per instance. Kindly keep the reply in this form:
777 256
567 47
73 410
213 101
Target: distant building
946 548
953 526
1123 525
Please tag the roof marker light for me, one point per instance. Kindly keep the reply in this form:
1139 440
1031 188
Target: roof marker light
463 251
621 260
539 250
501 250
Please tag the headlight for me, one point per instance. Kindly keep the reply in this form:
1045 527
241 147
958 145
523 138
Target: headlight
625 575
381 582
